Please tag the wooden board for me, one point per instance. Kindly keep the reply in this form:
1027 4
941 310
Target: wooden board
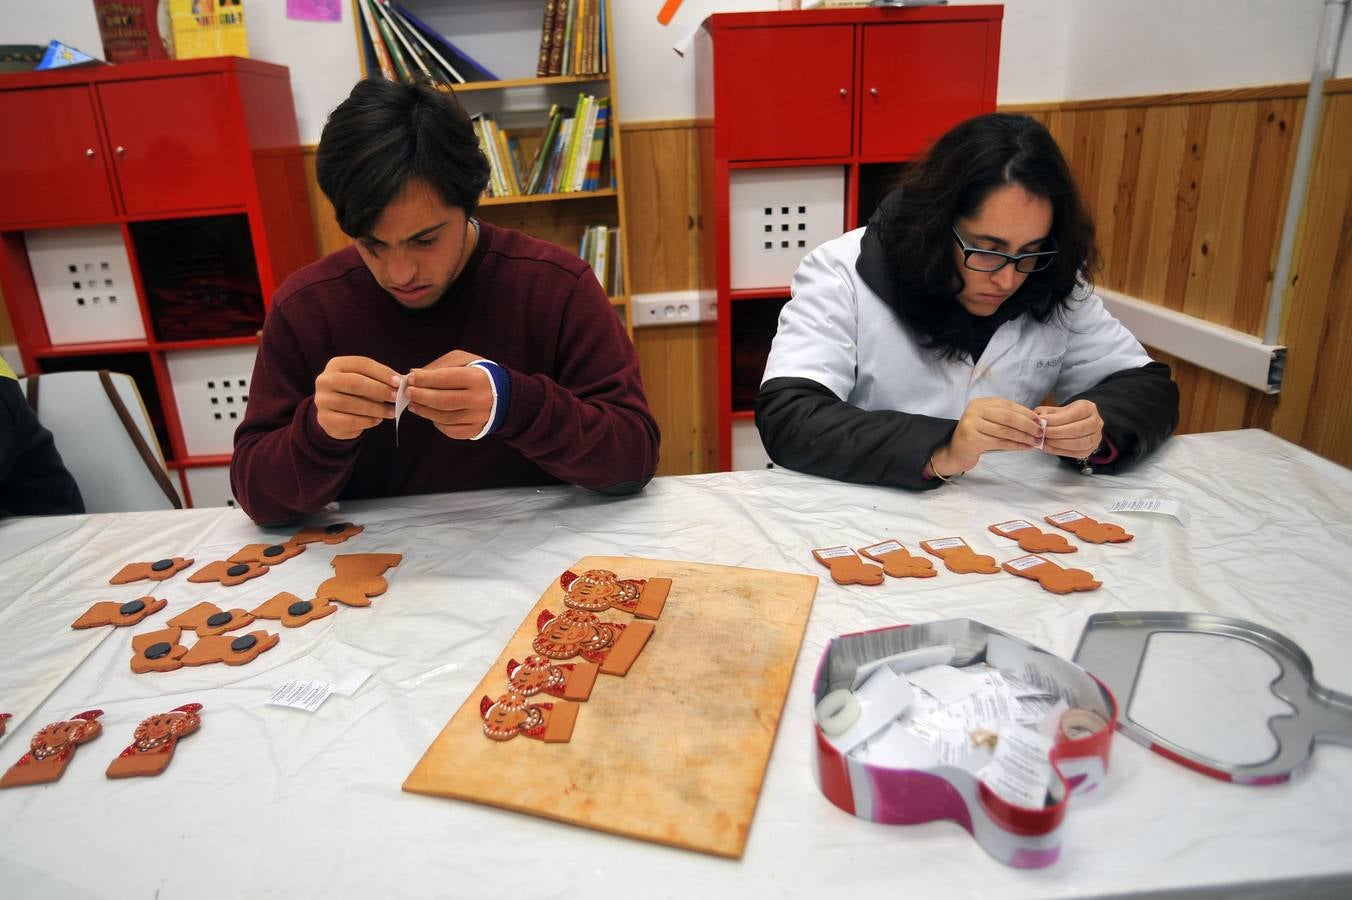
673 752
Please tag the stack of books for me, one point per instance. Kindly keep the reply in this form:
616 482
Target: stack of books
574 38
573 154
407 50
600 249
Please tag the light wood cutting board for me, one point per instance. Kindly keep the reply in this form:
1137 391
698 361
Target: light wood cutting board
673 752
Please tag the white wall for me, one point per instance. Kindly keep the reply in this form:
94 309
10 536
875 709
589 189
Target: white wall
1050 49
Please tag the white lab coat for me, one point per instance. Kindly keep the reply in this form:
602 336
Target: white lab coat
839 333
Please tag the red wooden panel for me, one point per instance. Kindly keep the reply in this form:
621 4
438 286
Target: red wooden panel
786 93
175 143
919 80
53 164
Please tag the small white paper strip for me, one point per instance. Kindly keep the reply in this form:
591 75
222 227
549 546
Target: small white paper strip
298 694
348 684
1152 505
834 552
1014 525
945 683
947 543
1042 438
400 404
883 697
1069 515
905 661
1023 563
884 547
1020 771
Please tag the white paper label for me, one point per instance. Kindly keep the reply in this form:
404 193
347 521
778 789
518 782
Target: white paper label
400 404
945 683
1042 438
884 547
1024 563
1015 525
946 543
835 552
1152 505
297 694
1067 516
1020 771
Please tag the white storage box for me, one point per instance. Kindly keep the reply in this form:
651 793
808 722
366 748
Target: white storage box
210 486
776 216
211 389
84 284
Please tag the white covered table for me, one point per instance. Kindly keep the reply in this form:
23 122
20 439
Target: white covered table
265 801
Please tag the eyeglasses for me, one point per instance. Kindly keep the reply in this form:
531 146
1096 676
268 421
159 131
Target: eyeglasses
979 260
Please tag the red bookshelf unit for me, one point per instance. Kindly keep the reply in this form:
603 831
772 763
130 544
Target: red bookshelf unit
814 113
150 211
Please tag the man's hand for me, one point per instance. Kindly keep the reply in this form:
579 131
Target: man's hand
454 396
1075 430
352 394
988 423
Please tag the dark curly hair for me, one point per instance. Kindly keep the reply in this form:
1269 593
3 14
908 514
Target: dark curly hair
385 135
951 181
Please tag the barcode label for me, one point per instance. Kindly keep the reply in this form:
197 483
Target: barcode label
946 543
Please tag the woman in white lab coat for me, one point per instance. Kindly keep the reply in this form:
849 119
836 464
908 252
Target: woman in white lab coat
933 335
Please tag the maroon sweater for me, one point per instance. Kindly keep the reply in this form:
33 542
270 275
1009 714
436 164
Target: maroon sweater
577 412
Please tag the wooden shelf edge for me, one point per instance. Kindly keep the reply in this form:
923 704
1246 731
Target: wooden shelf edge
545 198
509 83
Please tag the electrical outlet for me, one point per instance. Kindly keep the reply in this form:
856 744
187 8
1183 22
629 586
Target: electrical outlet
674 308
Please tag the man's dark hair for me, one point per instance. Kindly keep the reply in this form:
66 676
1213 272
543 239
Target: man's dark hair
385 135
952 181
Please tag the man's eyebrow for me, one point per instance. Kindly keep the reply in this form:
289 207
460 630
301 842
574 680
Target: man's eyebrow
372 239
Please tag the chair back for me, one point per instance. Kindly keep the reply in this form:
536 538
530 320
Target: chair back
105 438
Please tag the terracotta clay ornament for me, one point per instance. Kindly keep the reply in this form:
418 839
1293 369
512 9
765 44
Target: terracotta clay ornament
267 554
157 651
158 570
329 534
897 561
571 681
846 566
294 612
154 740
1087 529
959 557
611 645
119 615
227 573
1051 576
359 578
511 715
1033 539
52 749
207 619
233 650
597 590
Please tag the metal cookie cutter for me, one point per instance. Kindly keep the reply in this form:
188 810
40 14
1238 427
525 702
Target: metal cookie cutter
1113 648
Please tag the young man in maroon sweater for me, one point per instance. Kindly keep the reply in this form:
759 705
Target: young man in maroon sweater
519 371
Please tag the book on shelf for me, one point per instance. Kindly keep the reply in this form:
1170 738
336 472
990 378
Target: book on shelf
546 39
133 30
392 45
562 11
205 28
464 65
406 49
374 41
592 179
600 249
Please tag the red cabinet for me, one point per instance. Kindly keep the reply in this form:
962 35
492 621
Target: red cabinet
58 171
815 112
148 212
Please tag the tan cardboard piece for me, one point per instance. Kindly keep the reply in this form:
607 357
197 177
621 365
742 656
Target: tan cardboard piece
233 650
267 554
1090 530
227 573
511 715
358 578
119 615
846 566
897 561
328 534
52 749
292 611
570 681
154 740
1051 576
157 651
208 619
158 570
1033 539
959 557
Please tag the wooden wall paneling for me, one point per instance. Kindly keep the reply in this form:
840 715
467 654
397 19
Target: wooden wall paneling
1155 201
1269 179
328 236
1185 220
1315 406
678 375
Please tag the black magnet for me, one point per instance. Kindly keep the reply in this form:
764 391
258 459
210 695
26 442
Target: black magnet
131 608
237 570
240 644
274 550
155 651
219 619
337 528
160 565
299 608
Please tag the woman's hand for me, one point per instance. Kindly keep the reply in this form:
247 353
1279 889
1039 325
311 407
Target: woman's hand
988 423
1075 430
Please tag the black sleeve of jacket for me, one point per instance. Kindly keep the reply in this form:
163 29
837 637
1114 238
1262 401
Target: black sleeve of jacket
1139 409
33 479
806 427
